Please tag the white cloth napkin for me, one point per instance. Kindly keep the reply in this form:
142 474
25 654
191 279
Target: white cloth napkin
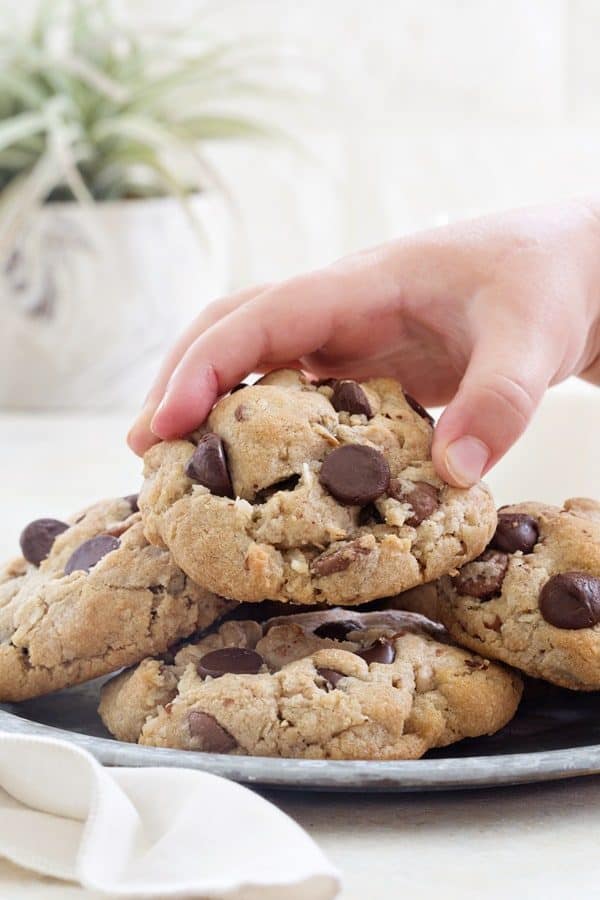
150 832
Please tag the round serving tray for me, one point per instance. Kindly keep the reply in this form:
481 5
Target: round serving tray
556 734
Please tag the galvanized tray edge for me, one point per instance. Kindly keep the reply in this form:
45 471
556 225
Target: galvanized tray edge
333 775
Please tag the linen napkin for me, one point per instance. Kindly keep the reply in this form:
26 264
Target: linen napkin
150 832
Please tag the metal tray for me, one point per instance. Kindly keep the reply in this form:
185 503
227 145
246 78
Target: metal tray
556 734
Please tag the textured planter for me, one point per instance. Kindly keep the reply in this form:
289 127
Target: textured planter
91 297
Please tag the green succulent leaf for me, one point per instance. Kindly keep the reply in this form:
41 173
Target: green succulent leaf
94 108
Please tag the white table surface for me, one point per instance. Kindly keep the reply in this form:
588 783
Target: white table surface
534 841
537 842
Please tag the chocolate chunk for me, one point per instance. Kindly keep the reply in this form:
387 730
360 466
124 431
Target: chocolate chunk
379 652
286 484
132 499
329 563
91 552
571 600
494 624
331 676
423 498
515 531
241 413
38 537
369 515
420 410
483 577
176 583
235 660
350 397
208 466
355 474
337 631
477 663
213 737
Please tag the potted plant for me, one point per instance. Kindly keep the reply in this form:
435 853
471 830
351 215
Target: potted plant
114 229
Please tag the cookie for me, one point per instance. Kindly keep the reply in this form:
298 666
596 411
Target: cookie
532 599
311 493
337 684
422 599
90 597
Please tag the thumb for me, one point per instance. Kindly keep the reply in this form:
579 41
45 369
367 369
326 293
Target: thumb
497 397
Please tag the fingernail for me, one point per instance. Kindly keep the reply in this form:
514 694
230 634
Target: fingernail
143 419
466 459
159 409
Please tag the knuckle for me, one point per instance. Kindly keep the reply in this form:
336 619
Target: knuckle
515 399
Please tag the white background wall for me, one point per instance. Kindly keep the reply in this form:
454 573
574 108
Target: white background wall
451 108
432 110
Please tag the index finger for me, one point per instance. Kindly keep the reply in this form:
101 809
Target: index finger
287 322
140 437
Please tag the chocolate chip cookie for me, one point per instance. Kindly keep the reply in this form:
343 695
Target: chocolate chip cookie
532 599
90 596
327 685
311 493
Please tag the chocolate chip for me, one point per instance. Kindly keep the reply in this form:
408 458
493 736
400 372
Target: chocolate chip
355 474
350 397
132 499
213 737
337 631
494 624
379 652
422 497
176 583
483 577
235 660
329 563
286 484
38 537
420 410
330 675
208 466
241 413
477 663
91 552
571 600
369 515
515 531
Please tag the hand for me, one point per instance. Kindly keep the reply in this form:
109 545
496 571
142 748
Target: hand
483 315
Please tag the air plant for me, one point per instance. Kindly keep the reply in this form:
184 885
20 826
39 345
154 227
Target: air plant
93 108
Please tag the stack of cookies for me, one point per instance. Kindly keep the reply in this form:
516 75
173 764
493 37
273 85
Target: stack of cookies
294 580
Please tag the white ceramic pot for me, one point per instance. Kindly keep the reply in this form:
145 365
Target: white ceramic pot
91 297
